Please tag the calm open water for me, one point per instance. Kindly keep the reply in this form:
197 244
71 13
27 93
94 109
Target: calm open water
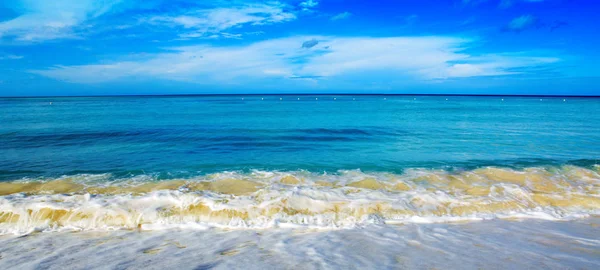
185 136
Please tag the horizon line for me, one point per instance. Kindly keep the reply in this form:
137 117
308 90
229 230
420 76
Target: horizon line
303 94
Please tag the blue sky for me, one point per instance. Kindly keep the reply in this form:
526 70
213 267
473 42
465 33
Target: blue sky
108 47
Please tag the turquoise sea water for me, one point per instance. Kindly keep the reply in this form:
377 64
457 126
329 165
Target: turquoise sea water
186 136
287 161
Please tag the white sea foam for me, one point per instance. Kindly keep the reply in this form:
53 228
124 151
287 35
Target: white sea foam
270 199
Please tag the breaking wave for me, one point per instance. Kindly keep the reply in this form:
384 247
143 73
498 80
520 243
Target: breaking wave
270 199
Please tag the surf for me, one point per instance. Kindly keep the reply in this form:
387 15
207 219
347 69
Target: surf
272 199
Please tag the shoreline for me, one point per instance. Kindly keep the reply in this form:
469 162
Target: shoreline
496 244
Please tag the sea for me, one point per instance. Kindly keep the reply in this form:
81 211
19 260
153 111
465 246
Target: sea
300 181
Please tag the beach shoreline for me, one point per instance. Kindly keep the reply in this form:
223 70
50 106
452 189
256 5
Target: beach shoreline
496 244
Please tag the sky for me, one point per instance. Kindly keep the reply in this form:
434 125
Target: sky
133 47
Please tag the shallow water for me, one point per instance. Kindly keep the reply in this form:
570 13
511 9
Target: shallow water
530 244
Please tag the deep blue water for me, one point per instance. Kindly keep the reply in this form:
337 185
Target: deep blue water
183 136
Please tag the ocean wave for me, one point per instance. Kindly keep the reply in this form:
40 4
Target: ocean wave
268 199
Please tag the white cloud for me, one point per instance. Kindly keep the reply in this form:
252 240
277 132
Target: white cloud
332 59
521 23
10 57
44 20
341 16
41 20
206 22
309 4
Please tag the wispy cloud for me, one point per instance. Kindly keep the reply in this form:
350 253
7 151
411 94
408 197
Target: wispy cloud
500 64
557 24
525 22
521 23
410 19
330 58
214 21
510 3
10 57
341 16
75 19
473 2
57 19
309 4
501 3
